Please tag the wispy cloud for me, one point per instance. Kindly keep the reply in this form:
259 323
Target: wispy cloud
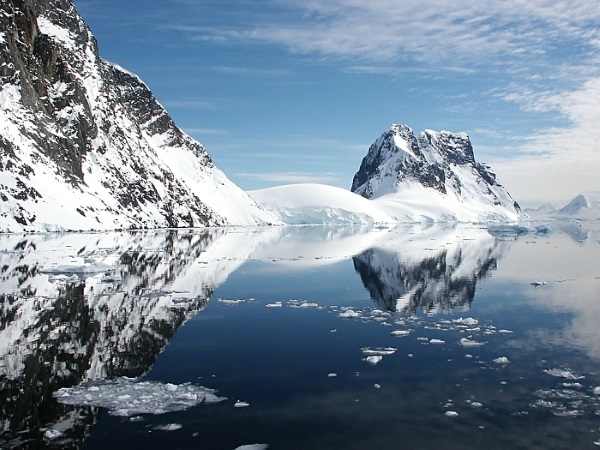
466 33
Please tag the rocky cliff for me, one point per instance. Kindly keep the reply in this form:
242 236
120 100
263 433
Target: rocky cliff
85 145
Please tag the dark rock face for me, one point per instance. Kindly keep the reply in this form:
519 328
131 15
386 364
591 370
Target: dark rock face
69 117
434 160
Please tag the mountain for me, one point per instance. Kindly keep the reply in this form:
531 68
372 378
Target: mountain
545 208
584 206
434 177
85 145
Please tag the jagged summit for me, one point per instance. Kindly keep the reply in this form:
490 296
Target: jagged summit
435 174
85 145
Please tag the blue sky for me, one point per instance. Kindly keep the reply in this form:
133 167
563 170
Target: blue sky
283 91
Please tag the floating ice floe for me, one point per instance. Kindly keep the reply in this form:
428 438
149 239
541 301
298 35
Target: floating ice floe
451 414
128 397
437 341
502 361
169 427
240 404
332 375
382 351
373 359
597 390
468 342
253 447
400 333
467 321
231 302
274 305
563 373
349 314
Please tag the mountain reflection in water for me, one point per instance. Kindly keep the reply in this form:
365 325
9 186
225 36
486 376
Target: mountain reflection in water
82 308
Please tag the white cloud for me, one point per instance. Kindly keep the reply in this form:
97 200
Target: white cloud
570 161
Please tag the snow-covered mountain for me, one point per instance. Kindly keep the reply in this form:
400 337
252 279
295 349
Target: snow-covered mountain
583 206
433 176
85 145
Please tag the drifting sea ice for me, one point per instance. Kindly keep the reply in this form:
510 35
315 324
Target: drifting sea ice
467 342
128 397
502 361
253 447
563 373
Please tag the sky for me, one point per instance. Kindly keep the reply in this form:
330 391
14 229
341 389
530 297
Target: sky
287 91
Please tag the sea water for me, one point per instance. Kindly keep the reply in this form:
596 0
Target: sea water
302 337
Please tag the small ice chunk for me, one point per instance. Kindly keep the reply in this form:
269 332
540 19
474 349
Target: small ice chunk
466 342
230 302
437 341
377 386
451 414
253 447
597 390
563 373
502 360
373 359
169 427
275 305
51 434
504 331
383 351
240 404
476 404
467 321
400 333
349 314
332 375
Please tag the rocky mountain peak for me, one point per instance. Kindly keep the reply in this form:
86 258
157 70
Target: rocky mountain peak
84 144
437 164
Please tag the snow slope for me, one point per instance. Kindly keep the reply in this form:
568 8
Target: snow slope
84 145
307 203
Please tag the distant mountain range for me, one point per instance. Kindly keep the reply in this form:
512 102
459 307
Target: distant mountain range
583 206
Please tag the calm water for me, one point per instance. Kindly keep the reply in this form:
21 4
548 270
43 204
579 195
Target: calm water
310 337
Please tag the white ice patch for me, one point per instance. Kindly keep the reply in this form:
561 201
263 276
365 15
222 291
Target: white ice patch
597 390
563 373
241 404
437 341
373 359
467 321
381 351
400 333
451 414
253 447
127 397
349 314
467 342
502 361
169 427
274 305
